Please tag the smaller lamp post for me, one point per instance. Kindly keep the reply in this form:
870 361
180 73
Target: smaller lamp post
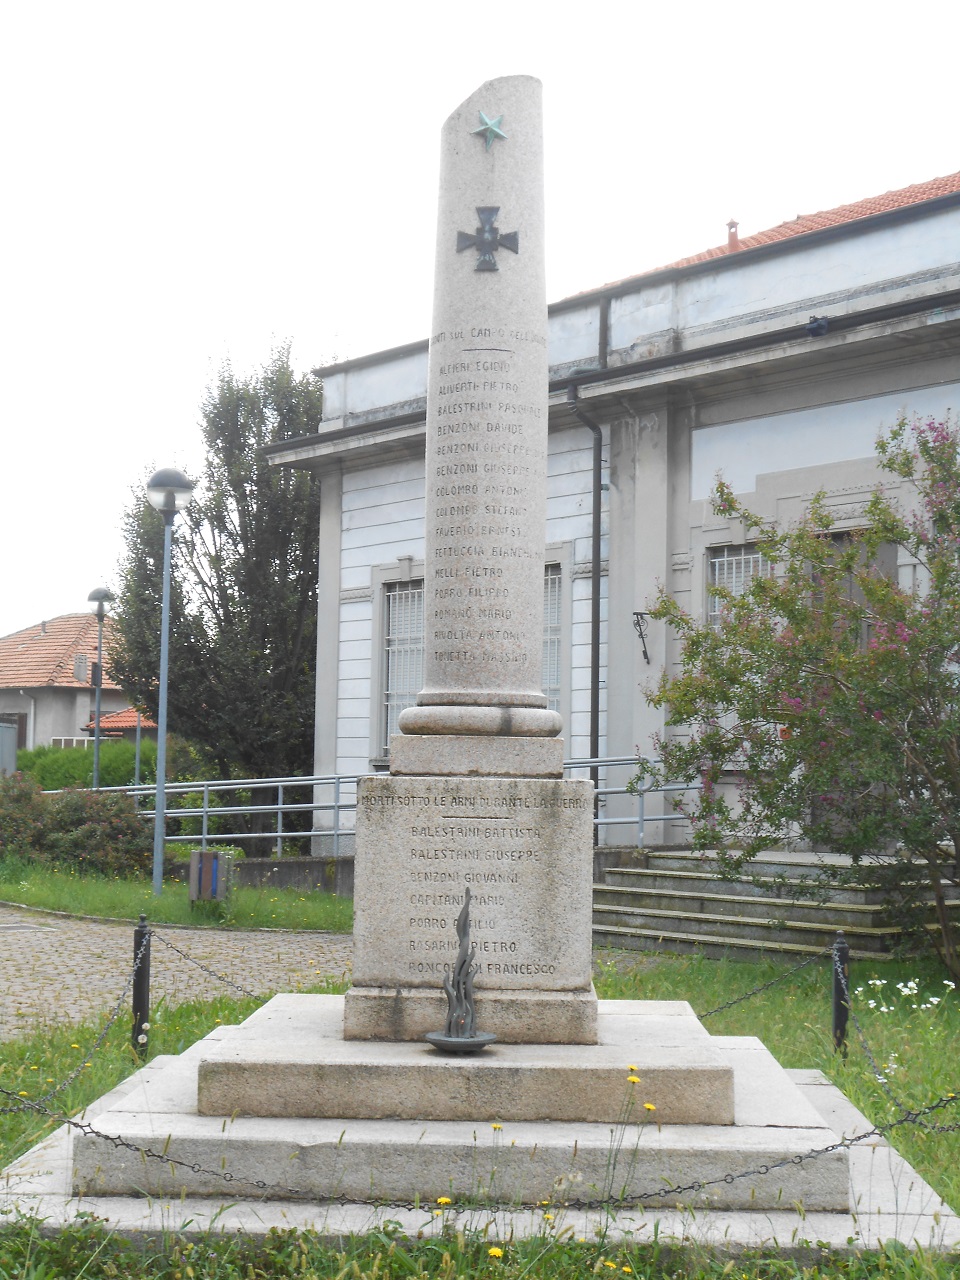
169 491
98 596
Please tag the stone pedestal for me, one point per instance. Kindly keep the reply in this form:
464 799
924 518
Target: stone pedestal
523 846
285 1108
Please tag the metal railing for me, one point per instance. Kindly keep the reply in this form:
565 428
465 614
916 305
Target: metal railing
333 794
645 788
207 808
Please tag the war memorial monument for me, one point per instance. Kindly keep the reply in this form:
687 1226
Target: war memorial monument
318 1101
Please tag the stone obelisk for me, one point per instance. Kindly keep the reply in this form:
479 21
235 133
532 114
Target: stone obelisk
486 437
475 797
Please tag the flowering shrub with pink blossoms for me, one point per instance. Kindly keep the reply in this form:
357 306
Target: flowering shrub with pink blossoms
823 706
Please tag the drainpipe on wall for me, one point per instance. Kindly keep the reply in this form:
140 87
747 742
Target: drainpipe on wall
578 413
32 718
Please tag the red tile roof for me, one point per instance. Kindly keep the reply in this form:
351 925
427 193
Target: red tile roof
805 223
43 655
118 720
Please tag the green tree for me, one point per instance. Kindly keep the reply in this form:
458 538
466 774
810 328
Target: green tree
824 704
244 596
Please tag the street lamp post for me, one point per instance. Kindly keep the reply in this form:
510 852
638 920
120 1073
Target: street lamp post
98 596
169 491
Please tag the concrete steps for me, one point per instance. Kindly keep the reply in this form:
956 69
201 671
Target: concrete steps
675 901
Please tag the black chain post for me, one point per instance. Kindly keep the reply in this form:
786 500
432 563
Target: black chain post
141 987
841 993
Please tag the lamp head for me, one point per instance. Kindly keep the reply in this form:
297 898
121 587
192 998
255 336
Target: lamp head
101 597
169 491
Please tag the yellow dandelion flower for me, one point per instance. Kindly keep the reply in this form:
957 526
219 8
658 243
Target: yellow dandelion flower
23 1094
444 1200
74 1046
631 1067
628 1270
495 1251
648 1106
496 1126
633 1079
608 1263
548 1217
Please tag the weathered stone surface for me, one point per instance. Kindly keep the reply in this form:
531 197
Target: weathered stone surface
487 419
454 755
385 1161
522 847
293 1061
515 1017
524 1162
887 1199
485 722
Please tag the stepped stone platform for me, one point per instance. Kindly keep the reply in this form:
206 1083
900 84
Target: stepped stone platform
292 1061
856 1197
726 1108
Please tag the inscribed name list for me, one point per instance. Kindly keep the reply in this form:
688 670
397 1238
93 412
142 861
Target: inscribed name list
488 448
510 842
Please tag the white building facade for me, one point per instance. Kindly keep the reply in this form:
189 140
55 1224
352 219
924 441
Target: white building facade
774 361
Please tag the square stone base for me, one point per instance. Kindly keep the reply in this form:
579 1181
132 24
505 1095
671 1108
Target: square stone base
522 848
514 1017
475 756
293 1061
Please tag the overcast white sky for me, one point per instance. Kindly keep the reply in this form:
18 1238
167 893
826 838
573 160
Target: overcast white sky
186 183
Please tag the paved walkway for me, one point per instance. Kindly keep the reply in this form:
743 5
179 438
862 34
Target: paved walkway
55 967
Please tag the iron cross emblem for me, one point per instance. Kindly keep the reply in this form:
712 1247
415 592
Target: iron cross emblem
487 239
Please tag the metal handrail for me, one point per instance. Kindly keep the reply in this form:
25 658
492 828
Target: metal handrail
341 806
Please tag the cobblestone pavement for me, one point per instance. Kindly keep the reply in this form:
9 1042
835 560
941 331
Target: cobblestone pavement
55 967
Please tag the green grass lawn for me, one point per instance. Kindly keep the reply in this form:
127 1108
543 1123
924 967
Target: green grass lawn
912 1025
914 1035
87 1249
59 889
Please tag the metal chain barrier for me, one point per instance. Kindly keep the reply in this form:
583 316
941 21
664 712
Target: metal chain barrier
98 1044
877 1073
115 1140
907 1115
762 1170
767 985
253 995
879 1131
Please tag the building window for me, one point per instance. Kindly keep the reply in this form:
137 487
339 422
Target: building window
403 651
732 568
403 647
551 636
19 720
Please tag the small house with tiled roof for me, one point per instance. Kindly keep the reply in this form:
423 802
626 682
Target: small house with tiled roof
46 681
124 724
775 358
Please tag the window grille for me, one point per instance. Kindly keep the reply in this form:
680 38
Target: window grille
403 647
551 636
732 568
403 651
